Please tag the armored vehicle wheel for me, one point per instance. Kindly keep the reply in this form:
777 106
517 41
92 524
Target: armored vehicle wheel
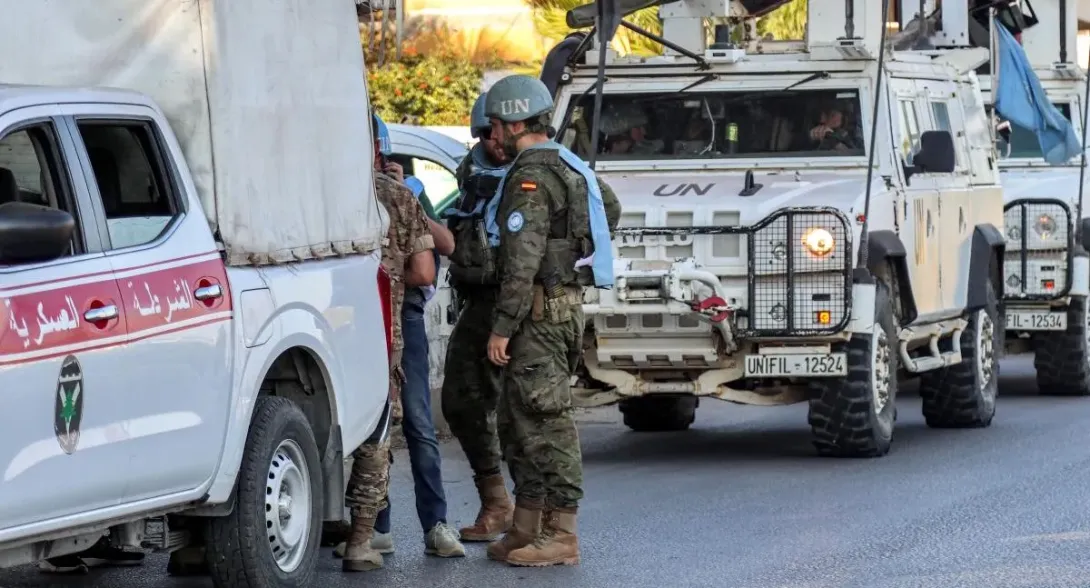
1063 359
271 537
963 395
659 413
853 416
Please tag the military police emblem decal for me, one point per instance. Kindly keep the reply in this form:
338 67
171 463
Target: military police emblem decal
68 411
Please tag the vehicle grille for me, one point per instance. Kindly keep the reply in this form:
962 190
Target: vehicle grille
1038 255
793 291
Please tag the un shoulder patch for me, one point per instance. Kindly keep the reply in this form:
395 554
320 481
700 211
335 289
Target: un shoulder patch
515 222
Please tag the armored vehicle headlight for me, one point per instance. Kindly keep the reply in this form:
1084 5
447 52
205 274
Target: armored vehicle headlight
819 242
1045 226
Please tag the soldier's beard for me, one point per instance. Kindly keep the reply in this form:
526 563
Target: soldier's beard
510 141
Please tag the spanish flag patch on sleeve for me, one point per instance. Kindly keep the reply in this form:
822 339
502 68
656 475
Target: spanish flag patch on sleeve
528 186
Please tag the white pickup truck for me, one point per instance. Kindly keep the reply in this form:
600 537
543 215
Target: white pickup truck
194 323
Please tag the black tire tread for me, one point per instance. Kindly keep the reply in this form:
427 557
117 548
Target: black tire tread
1061 361
840 408
233 551
950 396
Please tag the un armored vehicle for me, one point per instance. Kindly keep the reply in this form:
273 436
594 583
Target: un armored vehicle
804 221
1046 270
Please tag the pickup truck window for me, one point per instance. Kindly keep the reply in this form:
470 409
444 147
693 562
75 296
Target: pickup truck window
131 180
32 170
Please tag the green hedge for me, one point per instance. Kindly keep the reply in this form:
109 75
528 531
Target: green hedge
425 90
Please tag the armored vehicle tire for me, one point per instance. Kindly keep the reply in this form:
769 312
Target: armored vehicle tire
271 537
651 414
963 395
853 416
1062 359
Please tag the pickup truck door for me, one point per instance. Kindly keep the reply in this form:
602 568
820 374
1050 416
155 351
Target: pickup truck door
177 364
62 346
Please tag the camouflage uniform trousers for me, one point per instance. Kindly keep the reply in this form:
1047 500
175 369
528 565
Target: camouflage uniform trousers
471 387
535 414
369 480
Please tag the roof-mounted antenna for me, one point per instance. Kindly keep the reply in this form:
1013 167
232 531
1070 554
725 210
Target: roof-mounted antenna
863 245
1082 168
607 21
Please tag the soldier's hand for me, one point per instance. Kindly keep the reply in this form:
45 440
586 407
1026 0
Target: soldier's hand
395 170
497 349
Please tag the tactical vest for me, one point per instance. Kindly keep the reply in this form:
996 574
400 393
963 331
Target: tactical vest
570 237
473 262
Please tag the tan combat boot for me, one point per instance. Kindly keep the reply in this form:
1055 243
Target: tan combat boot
557 544
494 518
359 556
525 526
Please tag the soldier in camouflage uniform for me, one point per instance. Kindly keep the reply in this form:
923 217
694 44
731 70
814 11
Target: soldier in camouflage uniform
471 383
407 258
552 216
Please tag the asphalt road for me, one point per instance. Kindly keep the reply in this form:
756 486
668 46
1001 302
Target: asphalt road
741 501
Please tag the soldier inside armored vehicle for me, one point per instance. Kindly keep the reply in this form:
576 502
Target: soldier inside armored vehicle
722 125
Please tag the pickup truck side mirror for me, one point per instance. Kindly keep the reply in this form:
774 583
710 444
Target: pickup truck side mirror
32 233
936 154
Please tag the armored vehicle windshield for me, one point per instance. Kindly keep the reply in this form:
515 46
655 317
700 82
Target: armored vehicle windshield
719 124
1022 143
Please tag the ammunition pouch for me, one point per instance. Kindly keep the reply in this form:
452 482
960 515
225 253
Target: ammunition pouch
556 310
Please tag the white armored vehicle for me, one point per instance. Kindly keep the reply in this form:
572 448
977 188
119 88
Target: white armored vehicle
750 265
1046 269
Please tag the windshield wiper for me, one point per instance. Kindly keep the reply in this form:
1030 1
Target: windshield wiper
824 75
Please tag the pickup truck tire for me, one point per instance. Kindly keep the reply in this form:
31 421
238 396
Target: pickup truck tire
963 396
853 416
1062 359
651 414
270 539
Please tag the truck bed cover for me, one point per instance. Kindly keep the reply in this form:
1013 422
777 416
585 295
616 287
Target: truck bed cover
268 100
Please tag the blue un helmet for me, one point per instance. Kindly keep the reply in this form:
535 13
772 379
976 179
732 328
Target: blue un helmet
478 121
518 98
382 135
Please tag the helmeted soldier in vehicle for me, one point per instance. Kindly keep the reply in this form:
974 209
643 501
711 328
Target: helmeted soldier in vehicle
471 385
625 128
551 224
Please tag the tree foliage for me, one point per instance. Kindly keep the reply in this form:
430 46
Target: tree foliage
785 23
436 79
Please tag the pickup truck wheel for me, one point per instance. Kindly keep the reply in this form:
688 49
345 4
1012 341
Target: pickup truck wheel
651 414
1062 359
853 416
963 396
271 537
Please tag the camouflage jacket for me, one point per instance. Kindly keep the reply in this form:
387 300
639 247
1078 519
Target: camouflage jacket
408 235
535 189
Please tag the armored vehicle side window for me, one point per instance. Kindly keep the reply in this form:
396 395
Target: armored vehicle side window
32 170
1023 143
941 113
720 125
132 180
910 130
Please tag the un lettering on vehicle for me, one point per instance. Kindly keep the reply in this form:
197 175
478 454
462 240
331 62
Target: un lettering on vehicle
655 240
